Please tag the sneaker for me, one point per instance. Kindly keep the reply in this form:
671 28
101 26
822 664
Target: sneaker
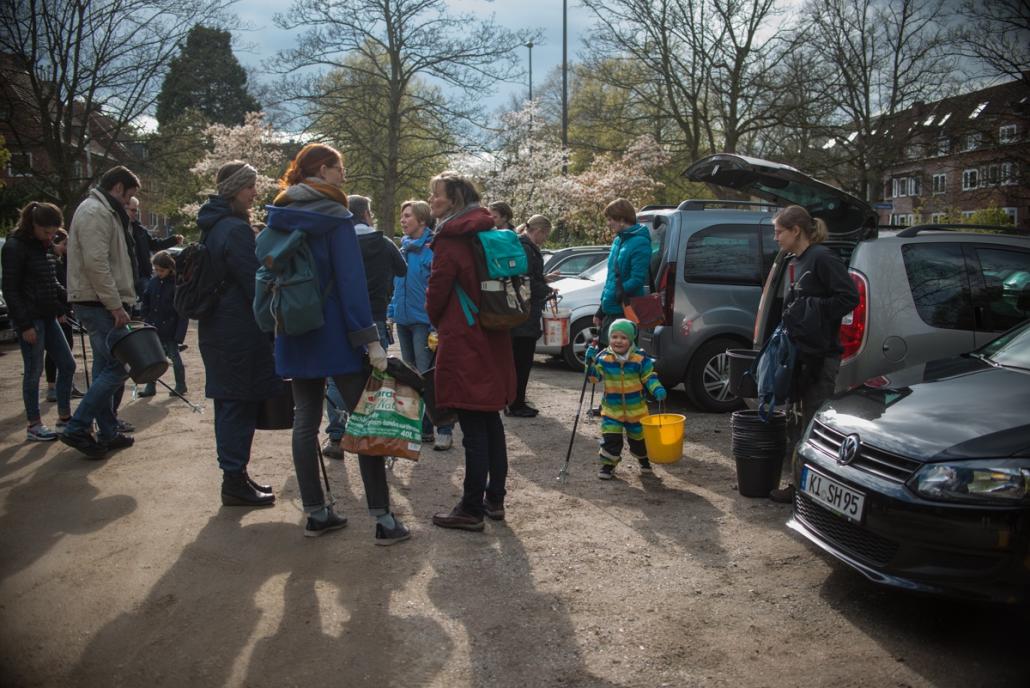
606 472
40 433
458 519
494 510
783 495
51 394
124 426
147 391
119 441
391 536
76 394
443 442
84 442
332 450
645 466
315 527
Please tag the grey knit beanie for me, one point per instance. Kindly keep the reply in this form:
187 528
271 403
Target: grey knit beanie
240 179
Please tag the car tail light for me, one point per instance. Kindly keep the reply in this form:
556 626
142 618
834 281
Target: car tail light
853 325
667 288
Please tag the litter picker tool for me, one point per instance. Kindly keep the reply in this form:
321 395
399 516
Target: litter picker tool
82 346
563 474
196 409
325 475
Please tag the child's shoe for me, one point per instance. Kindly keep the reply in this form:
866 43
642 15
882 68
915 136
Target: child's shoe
645 465
607 471
149 390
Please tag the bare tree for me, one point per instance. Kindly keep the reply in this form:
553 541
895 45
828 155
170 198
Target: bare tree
883 58
997 35
386 46
79 73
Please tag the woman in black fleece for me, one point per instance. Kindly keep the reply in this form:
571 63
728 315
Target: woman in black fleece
821 294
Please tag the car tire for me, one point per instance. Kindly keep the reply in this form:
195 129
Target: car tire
708 377
581 333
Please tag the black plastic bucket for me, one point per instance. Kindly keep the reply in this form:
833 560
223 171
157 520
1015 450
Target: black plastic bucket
276 413
137 346
758 449
741 360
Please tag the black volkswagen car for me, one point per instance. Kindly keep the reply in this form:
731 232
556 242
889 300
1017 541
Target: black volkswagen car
921 480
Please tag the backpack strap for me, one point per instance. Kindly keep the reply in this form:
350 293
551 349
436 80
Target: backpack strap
468 306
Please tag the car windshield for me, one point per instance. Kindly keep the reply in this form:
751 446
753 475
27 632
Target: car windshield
1011 350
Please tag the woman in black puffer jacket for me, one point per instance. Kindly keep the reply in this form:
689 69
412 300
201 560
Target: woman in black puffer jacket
37 302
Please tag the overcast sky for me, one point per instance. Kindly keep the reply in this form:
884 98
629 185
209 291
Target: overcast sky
261 42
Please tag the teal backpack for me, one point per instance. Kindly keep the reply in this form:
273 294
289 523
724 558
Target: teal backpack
501 267
287 296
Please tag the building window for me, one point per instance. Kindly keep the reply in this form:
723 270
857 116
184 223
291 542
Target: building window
910 220
937 218
940 183
914 186
19 165
943 145
1007 133
970 179
912 151
1013 216
900 187
971 141
1008 174
993 174
967 214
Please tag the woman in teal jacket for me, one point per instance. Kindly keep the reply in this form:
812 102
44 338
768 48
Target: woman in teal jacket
628 264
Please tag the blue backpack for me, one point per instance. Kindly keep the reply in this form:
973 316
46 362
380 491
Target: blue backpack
773 371
287 296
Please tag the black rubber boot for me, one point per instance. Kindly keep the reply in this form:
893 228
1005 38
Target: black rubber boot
237 491
257 486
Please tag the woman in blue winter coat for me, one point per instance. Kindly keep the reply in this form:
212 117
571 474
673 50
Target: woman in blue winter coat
312 201
628 264
408 307
238 365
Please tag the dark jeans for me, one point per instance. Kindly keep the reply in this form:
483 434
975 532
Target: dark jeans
814 386
235 420
486 459
49 366
49 339
522 349
108 376
307 412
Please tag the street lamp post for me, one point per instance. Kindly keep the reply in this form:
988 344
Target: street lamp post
565 84
530 46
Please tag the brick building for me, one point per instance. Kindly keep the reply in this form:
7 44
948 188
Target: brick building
963 154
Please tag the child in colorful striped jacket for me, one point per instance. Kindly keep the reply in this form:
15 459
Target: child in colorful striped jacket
625 370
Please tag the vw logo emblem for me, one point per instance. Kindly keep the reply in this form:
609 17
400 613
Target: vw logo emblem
848 450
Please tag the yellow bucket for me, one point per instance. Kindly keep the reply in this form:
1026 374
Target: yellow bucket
663 436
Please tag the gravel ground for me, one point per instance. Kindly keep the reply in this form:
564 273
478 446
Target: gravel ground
128 572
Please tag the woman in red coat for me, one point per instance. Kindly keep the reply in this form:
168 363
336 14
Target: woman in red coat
474 370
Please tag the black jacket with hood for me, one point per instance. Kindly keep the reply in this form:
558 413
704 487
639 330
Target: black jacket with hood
383 261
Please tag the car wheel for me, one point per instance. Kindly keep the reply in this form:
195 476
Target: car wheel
708 377
581 333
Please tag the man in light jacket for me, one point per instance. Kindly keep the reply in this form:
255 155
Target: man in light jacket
101 288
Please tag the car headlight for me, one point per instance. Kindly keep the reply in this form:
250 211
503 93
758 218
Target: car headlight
1002 481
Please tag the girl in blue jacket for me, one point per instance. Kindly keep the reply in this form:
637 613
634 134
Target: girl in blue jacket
408 307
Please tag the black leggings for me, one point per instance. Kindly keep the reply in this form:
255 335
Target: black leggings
522 349
48 363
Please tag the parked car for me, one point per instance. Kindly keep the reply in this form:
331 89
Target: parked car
7 333
920 479
927 291
573 260
712 258
581 296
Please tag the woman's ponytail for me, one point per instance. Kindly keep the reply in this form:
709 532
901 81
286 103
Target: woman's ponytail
820 232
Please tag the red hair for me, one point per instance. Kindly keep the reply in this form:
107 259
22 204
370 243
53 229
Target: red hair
308 162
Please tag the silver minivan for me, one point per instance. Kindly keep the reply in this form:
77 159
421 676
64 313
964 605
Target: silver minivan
712 261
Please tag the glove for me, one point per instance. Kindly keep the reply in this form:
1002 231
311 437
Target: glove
660 394
376 356
591 354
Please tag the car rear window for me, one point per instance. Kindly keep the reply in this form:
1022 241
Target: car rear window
939 283
726 254
1006 278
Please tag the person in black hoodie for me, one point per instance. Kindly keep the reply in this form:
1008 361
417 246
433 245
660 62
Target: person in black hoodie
821 294
159 311
37 302
383 261
146 245
523 337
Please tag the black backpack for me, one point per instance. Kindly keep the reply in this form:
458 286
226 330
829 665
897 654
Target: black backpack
198 287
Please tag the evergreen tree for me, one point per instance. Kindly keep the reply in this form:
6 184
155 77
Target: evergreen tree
208 78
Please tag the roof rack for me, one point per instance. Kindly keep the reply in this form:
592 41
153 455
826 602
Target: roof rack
703 203
910 232
657 207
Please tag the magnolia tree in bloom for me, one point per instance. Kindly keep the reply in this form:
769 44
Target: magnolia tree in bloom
254 142
526 172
